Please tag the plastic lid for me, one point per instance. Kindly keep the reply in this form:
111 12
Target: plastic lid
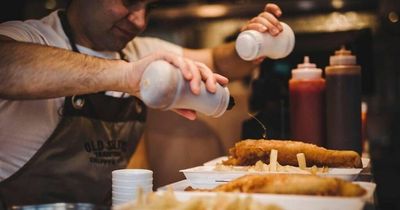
247 46
306 70
342 57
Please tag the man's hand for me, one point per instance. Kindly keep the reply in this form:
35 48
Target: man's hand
266 22
193 71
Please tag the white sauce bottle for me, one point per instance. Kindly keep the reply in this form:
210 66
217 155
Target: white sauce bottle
252 44
163 86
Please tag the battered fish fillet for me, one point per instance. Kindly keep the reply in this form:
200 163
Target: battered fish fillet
298 184
248 152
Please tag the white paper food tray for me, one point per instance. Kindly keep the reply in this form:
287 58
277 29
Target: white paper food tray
208 177
291 202
365 161
287 202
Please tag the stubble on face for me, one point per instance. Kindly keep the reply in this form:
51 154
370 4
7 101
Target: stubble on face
113 30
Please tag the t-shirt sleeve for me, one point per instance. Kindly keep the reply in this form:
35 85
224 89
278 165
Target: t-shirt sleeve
21 31
143 46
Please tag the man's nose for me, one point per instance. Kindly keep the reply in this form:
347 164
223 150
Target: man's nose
138 18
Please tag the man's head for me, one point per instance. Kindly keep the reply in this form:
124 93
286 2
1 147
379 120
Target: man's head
107 24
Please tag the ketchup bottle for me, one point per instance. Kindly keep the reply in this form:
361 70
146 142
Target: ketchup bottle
343 97
307 107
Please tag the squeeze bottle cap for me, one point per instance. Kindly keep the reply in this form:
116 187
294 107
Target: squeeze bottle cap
248 45
342 57
306 70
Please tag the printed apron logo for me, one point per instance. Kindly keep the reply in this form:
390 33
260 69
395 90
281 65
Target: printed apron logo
106 152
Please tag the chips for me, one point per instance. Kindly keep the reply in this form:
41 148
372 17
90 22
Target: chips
168 201
273 160
301 159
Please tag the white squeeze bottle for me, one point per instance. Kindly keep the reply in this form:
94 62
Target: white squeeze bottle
252 44
163 86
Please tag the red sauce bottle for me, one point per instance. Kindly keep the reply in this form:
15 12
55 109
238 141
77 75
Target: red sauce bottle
307 104
343 98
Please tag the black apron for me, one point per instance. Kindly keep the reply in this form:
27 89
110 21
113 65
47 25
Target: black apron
97 134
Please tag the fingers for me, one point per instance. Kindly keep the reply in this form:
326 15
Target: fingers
271 22
200 73
221 79
266 21
186 113
208 76
274 9
255 24
195 82
211 79
259 60
179 62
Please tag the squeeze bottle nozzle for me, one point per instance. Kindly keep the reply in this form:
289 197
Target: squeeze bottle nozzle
306 70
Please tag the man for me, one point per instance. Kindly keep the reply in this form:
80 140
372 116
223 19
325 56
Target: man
70 111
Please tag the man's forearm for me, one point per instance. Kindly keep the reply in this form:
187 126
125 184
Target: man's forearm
31 71
228 63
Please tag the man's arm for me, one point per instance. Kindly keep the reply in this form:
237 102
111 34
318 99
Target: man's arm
32 71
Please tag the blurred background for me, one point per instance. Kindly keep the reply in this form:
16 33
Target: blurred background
369 28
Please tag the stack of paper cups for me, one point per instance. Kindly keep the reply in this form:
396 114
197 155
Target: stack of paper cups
126 184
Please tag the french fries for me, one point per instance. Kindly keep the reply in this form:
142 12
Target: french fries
168 201
273 160
301 159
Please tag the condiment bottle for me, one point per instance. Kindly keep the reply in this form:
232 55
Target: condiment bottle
163 86
307 107
252 44
343 98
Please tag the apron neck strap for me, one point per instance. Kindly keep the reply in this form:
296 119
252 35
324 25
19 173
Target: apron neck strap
67 29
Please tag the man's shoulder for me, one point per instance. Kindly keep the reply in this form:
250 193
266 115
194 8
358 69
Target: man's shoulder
46 31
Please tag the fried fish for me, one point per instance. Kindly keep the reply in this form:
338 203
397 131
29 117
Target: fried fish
297 184
248 152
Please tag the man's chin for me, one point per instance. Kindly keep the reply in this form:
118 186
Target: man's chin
119 47
121 42
116 45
